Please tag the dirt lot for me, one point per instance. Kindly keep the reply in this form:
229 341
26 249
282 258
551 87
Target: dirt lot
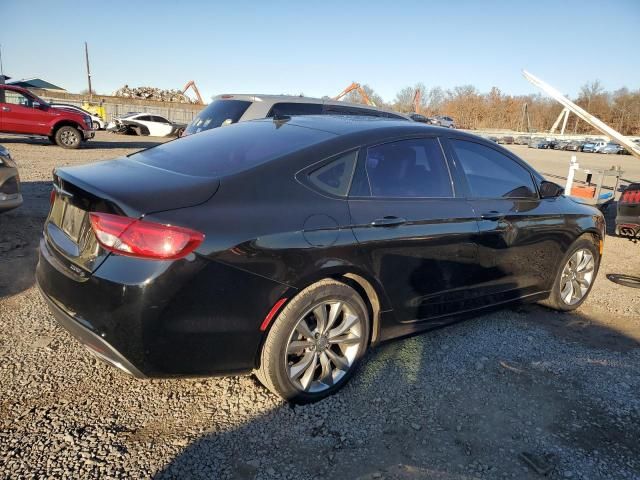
468 401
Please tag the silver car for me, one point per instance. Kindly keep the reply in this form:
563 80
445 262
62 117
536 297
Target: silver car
10 196
228 109
443 121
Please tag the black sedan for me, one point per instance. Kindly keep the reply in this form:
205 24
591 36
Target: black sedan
288 247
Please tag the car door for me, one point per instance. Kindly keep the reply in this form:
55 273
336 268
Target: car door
20 116
416 234
521 236
161 125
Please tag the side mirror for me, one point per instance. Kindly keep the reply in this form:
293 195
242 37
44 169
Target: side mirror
550 190
35 105
228 121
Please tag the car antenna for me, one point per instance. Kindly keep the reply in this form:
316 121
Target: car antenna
280 119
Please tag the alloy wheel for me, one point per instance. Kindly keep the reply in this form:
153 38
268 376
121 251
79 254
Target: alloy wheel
577 276
323 346
69 137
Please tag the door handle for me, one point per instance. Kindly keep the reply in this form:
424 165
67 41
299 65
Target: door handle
388 222
6 109
493 215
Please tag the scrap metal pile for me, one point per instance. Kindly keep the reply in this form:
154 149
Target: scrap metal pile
151 93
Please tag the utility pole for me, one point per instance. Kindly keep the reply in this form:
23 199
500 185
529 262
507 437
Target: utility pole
1 68
86 55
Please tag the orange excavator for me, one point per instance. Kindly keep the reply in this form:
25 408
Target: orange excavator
360 90
417 100
192 84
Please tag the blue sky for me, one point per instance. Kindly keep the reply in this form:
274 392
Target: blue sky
318 48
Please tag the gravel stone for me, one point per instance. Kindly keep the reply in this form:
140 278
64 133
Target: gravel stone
458 402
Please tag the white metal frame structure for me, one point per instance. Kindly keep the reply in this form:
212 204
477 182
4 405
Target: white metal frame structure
633 148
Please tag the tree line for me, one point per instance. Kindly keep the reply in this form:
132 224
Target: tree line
474 110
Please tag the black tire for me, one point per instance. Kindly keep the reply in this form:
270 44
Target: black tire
179 132
68 137
555 300
273 370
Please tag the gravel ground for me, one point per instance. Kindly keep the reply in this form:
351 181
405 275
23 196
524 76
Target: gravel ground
474 400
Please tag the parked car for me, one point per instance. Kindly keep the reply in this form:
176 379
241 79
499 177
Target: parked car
574 146
145 124
538 142
443 121
522 140
561 144
611 148
551 143
593 146
22 112
628 214
97 123
493 138
178 260
228 109
506 140
10 196
417 117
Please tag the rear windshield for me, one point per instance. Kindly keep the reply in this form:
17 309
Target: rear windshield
232 149
218 112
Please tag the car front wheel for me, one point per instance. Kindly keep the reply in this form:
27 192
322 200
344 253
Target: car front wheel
315 343
68 137
575 277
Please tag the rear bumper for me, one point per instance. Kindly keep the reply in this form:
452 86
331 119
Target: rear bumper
161 319
83 332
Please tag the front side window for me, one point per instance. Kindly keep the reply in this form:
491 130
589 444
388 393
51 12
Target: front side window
335 177
408 168
491 174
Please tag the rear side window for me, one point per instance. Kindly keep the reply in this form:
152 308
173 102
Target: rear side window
217 113
225 151
285 109
491 174
335 177
408 168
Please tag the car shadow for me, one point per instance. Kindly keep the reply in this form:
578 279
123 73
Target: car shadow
443 405
20 233
89 144
133 142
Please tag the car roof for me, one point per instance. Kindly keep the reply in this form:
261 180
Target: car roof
300 99
346 124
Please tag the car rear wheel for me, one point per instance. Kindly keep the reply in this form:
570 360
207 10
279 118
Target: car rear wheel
68 137
575 277
315 343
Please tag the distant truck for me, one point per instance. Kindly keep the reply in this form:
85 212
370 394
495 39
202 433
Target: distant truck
24 113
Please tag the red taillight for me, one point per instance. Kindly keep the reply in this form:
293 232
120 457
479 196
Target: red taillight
137 238
630 196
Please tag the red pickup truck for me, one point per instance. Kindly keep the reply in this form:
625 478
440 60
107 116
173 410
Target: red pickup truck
24 113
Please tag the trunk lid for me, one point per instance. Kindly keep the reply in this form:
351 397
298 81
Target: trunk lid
123 187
